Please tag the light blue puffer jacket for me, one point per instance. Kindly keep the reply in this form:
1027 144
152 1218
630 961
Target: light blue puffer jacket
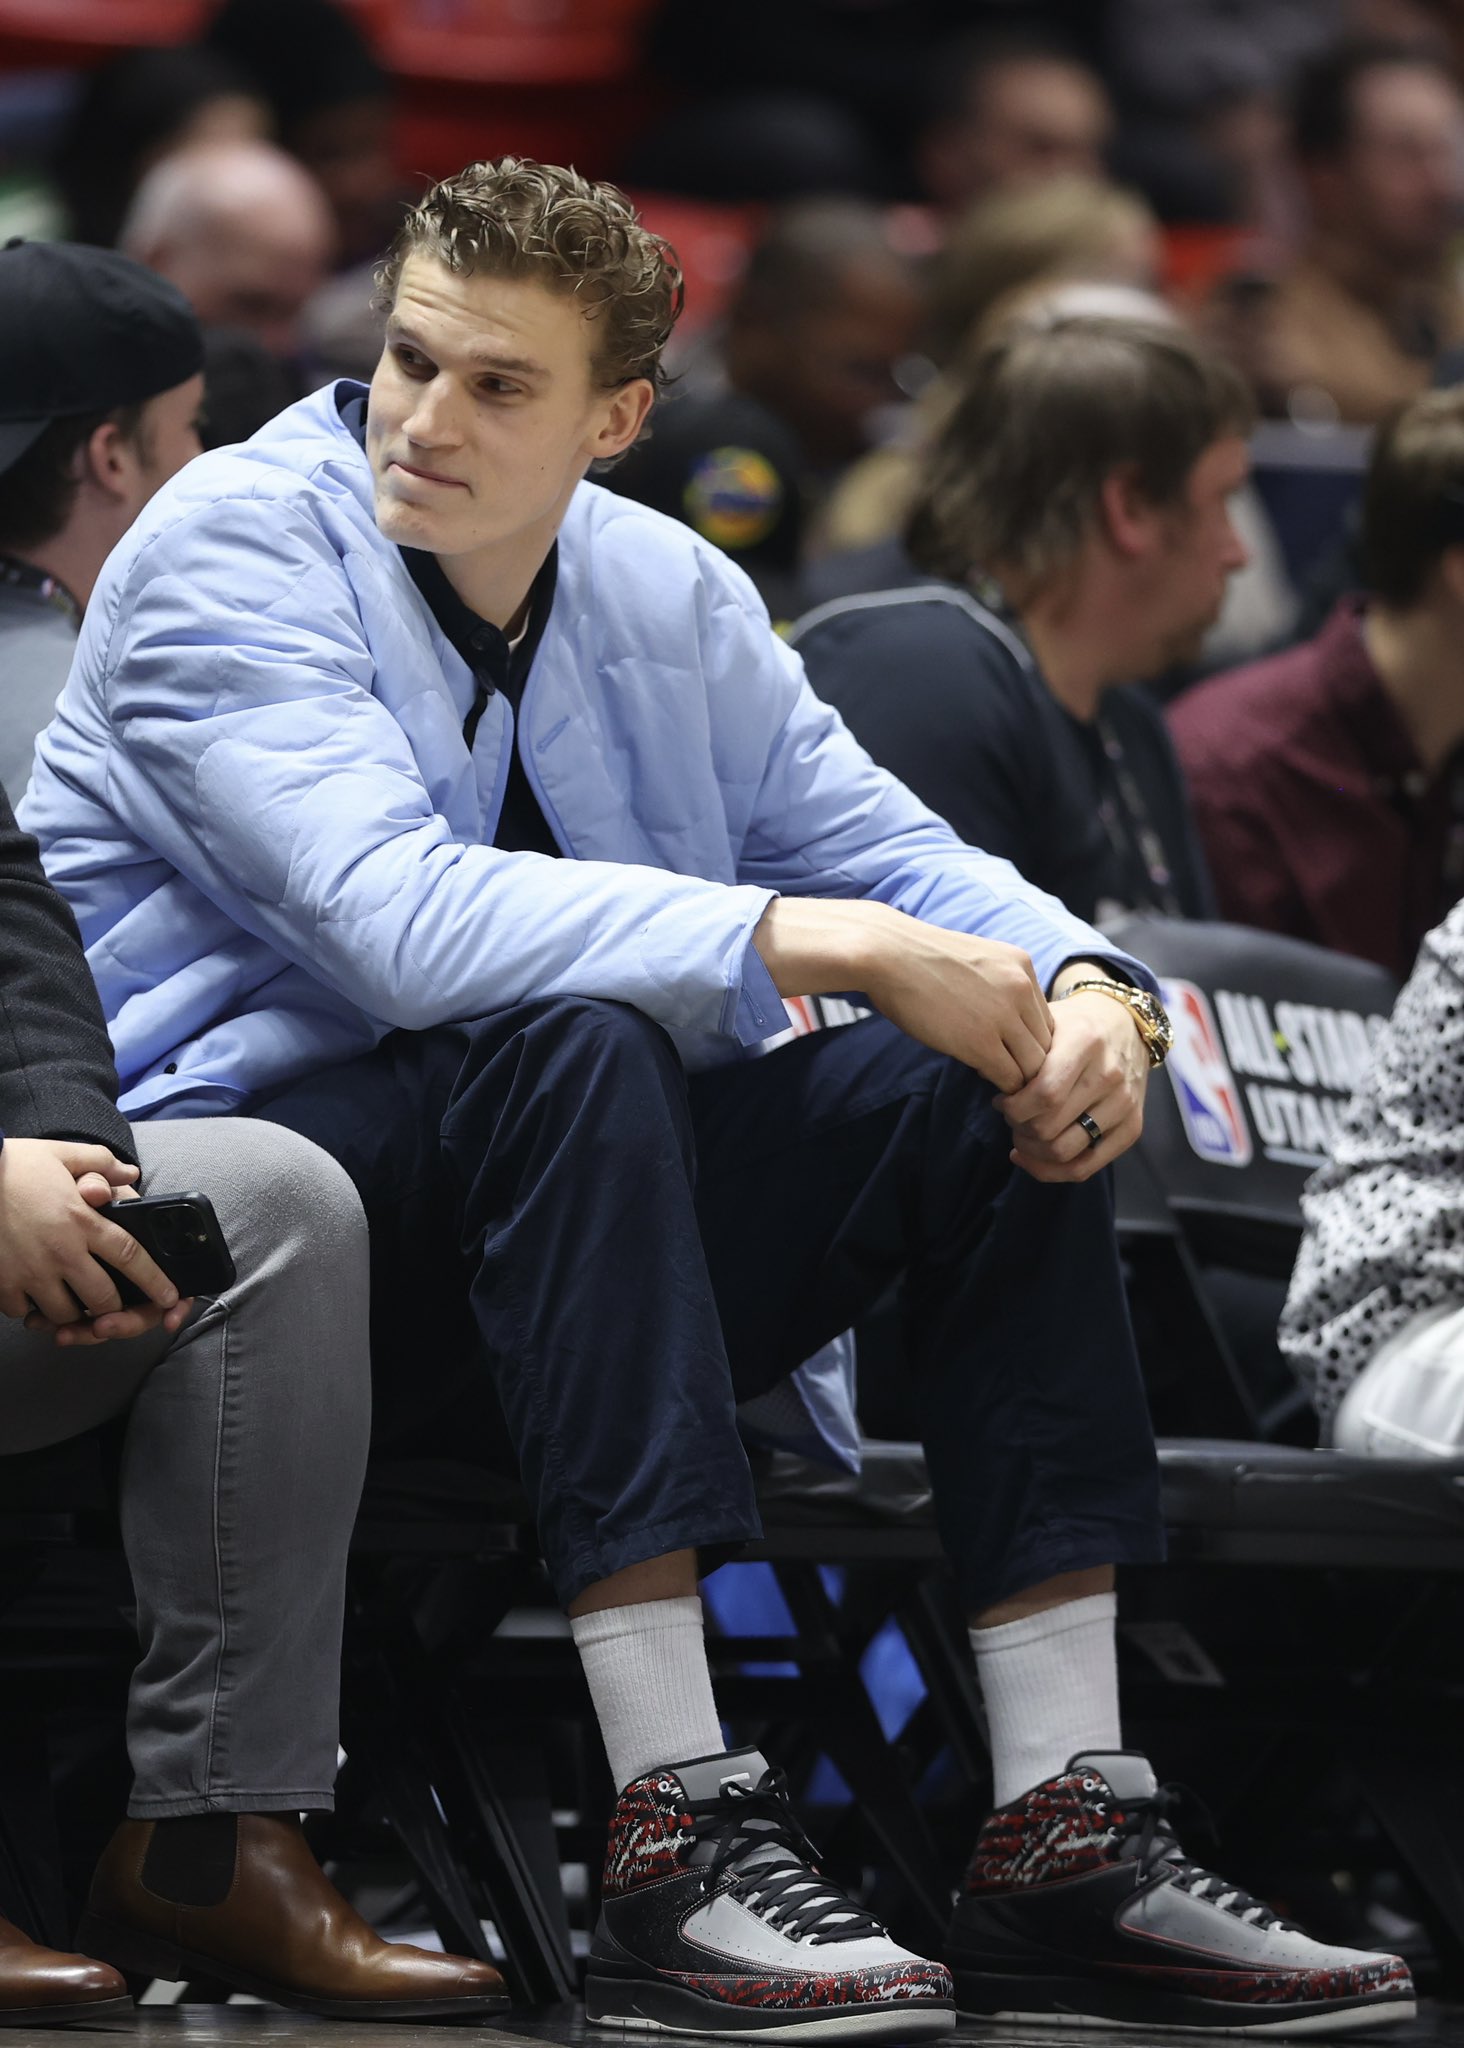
257 798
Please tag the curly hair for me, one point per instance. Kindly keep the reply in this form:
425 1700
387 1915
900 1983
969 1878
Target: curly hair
516 218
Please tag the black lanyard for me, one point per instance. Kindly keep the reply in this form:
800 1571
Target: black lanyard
1142 834
16 575
1134 831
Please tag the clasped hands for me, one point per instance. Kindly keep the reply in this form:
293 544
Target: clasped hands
979 1001
1093 1077
52 1239
1077 1057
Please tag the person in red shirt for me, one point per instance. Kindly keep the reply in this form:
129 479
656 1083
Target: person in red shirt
1328 781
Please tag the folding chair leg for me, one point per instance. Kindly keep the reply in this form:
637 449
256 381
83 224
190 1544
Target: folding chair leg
849 1730
1410 1779
404 1789
425 1756
31 1888
519 1875
943 1656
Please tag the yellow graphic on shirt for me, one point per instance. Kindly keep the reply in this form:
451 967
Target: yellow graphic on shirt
733 497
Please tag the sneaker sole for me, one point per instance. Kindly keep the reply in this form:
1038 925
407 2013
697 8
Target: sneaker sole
1054 2004
670 2009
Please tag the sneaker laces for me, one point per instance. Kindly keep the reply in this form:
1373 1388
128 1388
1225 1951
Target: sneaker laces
1149 1823
754 1827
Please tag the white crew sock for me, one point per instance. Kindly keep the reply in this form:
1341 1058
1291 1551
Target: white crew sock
1050 1682
646 1667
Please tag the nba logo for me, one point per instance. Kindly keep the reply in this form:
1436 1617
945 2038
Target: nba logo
1204 1087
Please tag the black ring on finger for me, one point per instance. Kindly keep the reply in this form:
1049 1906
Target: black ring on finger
1089 1127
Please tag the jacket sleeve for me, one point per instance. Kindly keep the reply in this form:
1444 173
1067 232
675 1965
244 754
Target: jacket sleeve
253 756
828 822
57 1079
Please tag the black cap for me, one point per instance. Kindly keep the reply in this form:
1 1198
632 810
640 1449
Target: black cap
728 467
84 330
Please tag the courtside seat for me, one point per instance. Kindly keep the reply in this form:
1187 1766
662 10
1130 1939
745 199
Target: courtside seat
1271 1035
1224 1502
440 1506
1309 479
67 1647
44 1493
1234 1503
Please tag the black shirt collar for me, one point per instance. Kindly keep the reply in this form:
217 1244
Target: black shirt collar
482 645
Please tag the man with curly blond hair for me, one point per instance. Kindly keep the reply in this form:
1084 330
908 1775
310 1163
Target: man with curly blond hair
415 792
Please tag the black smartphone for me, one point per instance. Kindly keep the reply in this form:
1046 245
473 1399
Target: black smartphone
181 1234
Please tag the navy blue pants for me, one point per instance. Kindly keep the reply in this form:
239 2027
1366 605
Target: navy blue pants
630 1251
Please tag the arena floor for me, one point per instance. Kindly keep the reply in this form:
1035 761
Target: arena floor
248 2026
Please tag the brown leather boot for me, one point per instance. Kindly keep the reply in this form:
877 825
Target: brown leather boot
41 1987
242 1900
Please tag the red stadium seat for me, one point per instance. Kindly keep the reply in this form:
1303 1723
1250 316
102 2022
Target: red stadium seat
85 31
502 42
555 79
712 244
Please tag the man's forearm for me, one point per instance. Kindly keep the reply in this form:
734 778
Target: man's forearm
976 999
812 946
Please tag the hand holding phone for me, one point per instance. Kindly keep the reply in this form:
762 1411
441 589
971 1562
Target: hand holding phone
182 1236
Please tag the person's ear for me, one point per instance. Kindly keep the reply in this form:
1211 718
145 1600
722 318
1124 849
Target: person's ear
624 417
109 461
1126 514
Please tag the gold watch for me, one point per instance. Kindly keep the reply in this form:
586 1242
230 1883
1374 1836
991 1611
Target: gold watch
1150 1016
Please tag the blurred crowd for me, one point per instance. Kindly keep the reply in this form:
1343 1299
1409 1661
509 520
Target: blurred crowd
1267 193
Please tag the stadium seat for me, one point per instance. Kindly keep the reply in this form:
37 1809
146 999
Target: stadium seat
84 31
712 245
1271 1035
507 42
1309 479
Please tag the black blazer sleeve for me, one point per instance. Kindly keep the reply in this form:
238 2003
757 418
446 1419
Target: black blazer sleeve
57 1077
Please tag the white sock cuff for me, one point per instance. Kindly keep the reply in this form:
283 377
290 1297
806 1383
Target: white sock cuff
1051 1621
610 1624
1050 1683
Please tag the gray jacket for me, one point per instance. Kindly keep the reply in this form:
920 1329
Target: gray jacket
37 642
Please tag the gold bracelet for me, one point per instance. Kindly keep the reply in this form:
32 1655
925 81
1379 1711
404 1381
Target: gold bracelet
1150 1018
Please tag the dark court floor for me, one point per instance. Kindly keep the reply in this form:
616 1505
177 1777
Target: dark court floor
252 2026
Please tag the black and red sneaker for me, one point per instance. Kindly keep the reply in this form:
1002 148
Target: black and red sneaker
1081 1907
715 1921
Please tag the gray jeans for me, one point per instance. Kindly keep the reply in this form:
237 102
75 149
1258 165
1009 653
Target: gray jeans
245 1447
